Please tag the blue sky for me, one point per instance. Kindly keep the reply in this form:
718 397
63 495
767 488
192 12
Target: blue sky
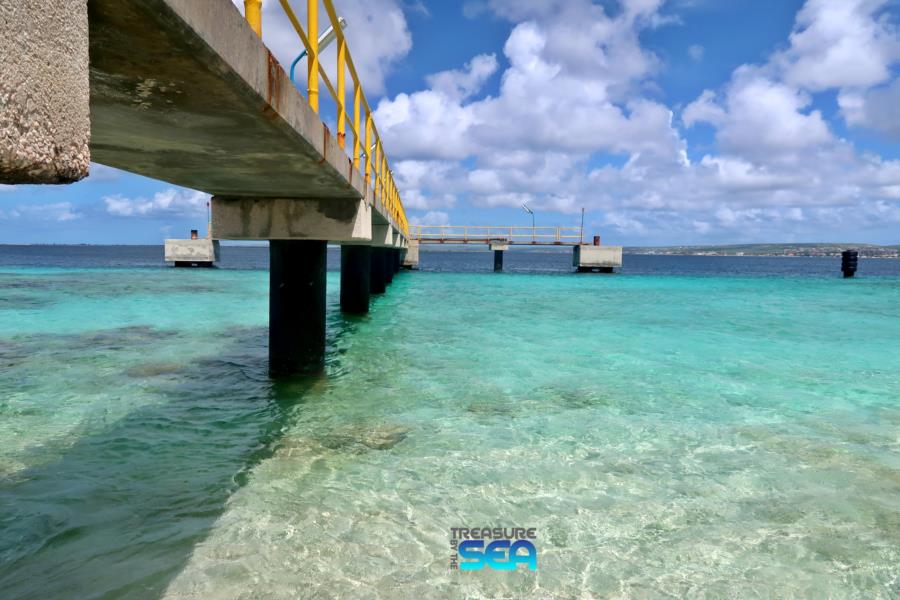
670 122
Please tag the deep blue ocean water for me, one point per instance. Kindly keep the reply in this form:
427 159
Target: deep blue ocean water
690 427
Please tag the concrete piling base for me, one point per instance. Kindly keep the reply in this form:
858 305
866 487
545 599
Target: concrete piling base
296 306
356 272
376 272
498 249
388 259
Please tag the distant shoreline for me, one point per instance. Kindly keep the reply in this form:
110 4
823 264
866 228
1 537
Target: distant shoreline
812 250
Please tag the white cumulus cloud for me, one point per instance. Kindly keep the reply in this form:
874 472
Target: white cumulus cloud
170 202
56 211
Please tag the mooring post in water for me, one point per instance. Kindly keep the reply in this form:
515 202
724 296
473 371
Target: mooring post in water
849 262
498 248
356 271
376 272
296 306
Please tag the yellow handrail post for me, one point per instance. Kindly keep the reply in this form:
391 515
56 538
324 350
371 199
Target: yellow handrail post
383 176
377 172
341 92
253 14
312 59
356 101
368 146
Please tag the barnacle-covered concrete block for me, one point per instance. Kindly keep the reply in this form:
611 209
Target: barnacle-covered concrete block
44 91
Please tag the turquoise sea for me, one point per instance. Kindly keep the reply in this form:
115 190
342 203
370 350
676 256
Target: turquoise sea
690 428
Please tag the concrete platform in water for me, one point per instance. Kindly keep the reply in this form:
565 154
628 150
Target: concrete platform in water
192 253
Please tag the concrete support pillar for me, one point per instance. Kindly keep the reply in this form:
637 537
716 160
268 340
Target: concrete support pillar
296 306
376 272
411 259
44 91
498 247
386 256
356 271
397 264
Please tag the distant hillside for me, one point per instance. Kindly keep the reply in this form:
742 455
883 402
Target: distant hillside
821 249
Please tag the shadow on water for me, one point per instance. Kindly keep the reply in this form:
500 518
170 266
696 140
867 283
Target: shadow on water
118 514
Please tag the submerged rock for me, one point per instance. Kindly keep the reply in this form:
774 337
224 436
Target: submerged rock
489 408
122 337
380 437
353 439
153 369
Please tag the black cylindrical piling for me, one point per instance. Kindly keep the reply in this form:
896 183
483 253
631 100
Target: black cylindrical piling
387 257
296 306
498 261
376 272
356 271
397 263
849 262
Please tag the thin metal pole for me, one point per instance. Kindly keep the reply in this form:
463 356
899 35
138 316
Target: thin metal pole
581 237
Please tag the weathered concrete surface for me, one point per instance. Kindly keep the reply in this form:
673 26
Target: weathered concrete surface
44 94
383 236
192 251
184 91
335 220
494 246
411 257
597 257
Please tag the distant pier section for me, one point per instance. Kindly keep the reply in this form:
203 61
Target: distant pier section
586 258
194 252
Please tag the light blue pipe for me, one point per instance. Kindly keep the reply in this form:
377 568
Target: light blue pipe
325 39
294 64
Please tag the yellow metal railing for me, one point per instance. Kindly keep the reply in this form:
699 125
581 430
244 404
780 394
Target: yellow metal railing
482 234
366 141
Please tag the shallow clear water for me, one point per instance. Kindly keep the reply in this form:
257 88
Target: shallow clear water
703 433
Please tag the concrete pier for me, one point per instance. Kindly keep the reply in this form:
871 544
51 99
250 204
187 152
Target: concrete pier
186 92
377 277
192 253
356 272
596 259
395 253
296 306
